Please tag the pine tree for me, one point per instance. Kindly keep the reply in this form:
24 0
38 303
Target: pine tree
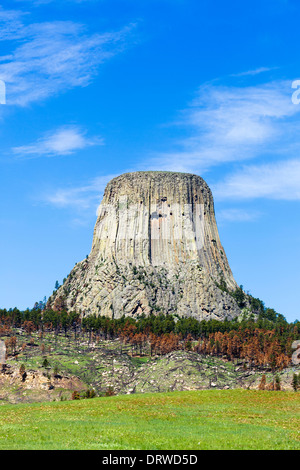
22 369
45 363
295 382
277 383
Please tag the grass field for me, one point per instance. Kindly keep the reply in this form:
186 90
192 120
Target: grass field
208 419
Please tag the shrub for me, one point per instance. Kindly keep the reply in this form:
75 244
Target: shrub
109 392
75 395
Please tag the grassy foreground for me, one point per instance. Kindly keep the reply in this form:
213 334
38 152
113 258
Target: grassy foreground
208 419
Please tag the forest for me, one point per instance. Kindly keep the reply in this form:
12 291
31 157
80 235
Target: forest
263 340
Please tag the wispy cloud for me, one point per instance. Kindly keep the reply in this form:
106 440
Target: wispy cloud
51 57
254 72
81 197
11 24
238 215
62 141
277 180
232 124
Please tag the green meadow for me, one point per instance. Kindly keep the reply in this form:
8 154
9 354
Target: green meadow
208 419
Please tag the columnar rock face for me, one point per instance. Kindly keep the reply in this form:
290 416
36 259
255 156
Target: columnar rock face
156 248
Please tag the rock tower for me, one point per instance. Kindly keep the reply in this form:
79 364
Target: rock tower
156 248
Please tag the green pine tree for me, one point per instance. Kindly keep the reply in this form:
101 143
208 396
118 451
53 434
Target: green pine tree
295 382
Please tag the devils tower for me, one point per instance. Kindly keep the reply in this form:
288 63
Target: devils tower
156 248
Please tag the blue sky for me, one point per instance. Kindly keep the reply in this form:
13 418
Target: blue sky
95 88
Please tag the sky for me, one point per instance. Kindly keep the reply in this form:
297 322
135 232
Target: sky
90 89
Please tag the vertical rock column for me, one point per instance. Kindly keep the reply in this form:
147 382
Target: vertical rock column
156 247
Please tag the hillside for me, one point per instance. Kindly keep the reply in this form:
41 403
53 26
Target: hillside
56 367
50 355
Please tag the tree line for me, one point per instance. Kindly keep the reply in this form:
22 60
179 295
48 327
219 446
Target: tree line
264 340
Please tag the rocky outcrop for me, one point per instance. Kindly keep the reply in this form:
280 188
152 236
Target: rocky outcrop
156 248
35 385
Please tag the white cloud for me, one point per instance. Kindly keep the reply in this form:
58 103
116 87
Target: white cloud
254 72
277 180
237 215
80 198
62 141
11 24
51 57
227 124
232 124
